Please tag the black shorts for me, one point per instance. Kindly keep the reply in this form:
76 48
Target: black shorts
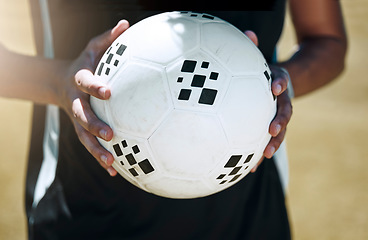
254 208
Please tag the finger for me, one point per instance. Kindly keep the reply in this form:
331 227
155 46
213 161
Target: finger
280 79
84 78
112 171
87 83
254 169
252 36
274 144
120 27
283 115
84 115
103 41
103 157
279 85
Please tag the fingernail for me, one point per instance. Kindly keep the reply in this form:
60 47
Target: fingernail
254 169
104 159
103 134
111 171
102 92
272 151
278 129
278 88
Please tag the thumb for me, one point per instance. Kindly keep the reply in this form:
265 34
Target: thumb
98 45
252 36
106 39
120 27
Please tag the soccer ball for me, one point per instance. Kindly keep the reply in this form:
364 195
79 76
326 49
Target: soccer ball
190 106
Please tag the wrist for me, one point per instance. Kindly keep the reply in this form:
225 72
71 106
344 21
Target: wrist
61 83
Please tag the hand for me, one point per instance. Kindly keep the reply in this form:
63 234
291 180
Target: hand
278 125
75 92
284 111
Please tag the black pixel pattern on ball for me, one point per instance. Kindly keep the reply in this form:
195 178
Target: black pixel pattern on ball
193 14
106 65
269 78
129 158
208 95
236 169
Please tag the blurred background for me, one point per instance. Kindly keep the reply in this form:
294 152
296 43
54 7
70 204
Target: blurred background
327 138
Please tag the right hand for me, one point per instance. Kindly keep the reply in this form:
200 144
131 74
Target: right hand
76 87
278 125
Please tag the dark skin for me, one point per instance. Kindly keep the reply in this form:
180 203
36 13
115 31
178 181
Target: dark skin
322 40
69 84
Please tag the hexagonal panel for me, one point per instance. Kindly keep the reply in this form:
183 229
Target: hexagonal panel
189 144
163 38
139 99
246 112
231 47
197 82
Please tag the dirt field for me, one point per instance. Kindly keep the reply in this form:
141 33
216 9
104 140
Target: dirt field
326 139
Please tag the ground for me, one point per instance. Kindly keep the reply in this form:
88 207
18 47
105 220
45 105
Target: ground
326 139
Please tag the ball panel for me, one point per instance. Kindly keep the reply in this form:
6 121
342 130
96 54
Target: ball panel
197 82
189 144
139 99
231 47
246 111
150 38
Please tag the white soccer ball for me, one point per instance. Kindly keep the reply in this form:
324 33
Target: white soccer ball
190 107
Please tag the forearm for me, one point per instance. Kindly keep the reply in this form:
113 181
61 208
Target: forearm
318 61
320 31
30 78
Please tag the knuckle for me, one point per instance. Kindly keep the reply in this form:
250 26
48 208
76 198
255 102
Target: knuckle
285 110
78 77
81 79
285 118
76 108
92 125
75 112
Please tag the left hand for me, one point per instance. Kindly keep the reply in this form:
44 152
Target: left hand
284 108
